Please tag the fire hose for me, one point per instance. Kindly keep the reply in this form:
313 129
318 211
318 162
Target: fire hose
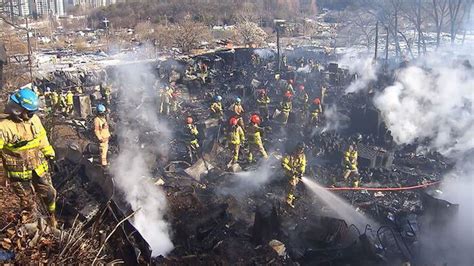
384 188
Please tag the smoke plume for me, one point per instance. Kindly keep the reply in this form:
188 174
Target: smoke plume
246 182
432 101
143 140
363 66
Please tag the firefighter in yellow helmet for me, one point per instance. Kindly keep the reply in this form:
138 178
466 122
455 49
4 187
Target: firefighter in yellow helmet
191 136
350 164
254 135
236 138
25 152
102 133
69 102
216 108
294 166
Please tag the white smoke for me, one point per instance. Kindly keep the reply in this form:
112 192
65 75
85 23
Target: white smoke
363 66
335 120
264 53
305 69
432 101
132 169
246 182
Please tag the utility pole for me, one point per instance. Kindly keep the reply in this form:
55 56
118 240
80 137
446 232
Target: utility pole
279 23
29 49
376 40
386 47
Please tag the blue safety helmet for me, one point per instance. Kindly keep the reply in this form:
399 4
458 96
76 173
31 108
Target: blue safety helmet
218 98
238 99
26 98
100 108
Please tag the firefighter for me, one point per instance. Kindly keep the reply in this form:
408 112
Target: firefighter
294 166
105 92
286 107
165 98
62 102
236 138
263 101
54 101
203 72
216 108
191 136
302 100
284 61
174 100
26 151
256 61
47 97
69 102
102 133
288 87
254 135
238 111
315 112
350 164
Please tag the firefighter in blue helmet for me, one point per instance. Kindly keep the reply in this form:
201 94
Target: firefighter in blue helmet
26 151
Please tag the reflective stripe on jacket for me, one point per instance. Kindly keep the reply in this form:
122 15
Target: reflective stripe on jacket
101 128
236 135
24 146
254 133
294 163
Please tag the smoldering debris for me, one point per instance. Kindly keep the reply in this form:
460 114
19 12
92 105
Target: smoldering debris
210 219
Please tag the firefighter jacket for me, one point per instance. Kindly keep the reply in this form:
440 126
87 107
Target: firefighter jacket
286 107
101 128
236 135
25 147
105 91
166 94
191 133
350 159
69 98
254 134
54 98
294 164
216 107
315 109
263 101
303 97
238 109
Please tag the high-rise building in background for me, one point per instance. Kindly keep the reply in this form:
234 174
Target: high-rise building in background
15 8
21 8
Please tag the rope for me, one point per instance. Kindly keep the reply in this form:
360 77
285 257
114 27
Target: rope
383 188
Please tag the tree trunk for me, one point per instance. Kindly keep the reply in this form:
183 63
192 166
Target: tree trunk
397 44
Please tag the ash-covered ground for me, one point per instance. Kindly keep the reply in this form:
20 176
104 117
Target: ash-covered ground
205 212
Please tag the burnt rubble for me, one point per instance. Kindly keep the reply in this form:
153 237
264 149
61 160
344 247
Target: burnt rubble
214 226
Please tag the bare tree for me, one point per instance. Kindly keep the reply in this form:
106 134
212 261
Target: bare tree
414 12
453 8
439 11
189 34
250 33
